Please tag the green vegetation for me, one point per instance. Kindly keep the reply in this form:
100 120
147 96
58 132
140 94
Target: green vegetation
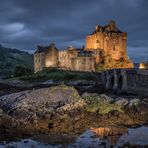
23 70
95 104
103 108
100 67
10 58
57 75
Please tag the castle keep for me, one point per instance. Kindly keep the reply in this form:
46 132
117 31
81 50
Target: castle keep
106 47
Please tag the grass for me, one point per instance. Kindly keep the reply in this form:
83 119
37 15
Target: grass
57 75
95 104
103 108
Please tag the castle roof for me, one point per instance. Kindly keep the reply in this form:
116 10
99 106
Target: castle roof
110 28
82 52
41 49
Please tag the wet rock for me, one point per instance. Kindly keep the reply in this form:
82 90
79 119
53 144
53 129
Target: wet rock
134 102
121 101
74 105
28 106
86 94
48 82
15 82
145 101
106 99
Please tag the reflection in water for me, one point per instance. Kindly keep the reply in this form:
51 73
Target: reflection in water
112 134
95 137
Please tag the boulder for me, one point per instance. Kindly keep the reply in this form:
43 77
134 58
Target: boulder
86 94
106 99
48 82
121 102
145 100
134 102
30 105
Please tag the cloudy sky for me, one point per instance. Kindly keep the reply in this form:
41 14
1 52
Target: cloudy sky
24 24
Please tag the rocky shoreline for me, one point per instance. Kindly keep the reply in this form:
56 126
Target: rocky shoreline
60 109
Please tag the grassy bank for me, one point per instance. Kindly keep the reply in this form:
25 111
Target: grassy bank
58 75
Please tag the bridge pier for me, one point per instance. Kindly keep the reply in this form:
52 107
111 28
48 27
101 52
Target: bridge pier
133 81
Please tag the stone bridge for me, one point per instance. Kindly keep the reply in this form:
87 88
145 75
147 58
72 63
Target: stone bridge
134 81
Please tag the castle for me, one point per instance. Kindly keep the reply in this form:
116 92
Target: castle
105 47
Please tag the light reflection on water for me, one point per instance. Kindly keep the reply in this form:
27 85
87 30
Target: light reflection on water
95 137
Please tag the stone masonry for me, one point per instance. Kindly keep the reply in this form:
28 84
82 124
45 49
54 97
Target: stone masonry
106 46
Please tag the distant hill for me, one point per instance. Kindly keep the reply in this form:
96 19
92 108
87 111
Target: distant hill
10 58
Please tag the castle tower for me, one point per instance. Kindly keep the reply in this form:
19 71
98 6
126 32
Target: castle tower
45 57
108 39
51 56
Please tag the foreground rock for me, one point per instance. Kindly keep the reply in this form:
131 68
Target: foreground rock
29 105
62 109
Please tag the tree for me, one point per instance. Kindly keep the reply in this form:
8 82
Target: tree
22 70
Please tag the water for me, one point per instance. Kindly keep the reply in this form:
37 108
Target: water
94 137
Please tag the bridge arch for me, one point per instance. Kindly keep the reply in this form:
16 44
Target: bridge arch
120 82
112 82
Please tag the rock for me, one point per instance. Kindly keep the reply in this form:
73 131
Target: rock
15 82
10 102
106 99
28 106
48 82
145 100
34 119
86 94
122 102
134 102
81 83
71 106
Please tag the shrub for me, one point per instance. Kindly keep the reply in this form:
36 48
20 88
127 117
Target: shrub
22 70
100 67
59 75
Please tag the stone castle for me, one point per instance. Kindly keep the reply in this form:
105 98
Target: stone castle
105 47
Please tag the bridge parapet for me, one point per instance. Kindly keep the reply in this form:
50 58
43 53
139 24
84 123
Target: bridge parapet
133 81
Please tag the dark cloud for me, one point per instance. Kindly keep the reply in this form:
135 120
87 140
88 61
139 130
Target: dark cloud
27 23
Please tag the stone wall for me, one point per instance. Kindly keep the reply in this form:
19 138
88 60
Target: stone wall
39 61
69 60
83 64
65 57
126 81
111 42
137 82
111 45
51 56
106 47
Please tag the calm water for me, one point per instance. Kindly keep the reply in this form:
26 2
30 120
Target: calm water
94 137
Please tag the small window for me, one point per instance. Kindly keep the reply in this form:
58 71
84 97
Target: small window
114 47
